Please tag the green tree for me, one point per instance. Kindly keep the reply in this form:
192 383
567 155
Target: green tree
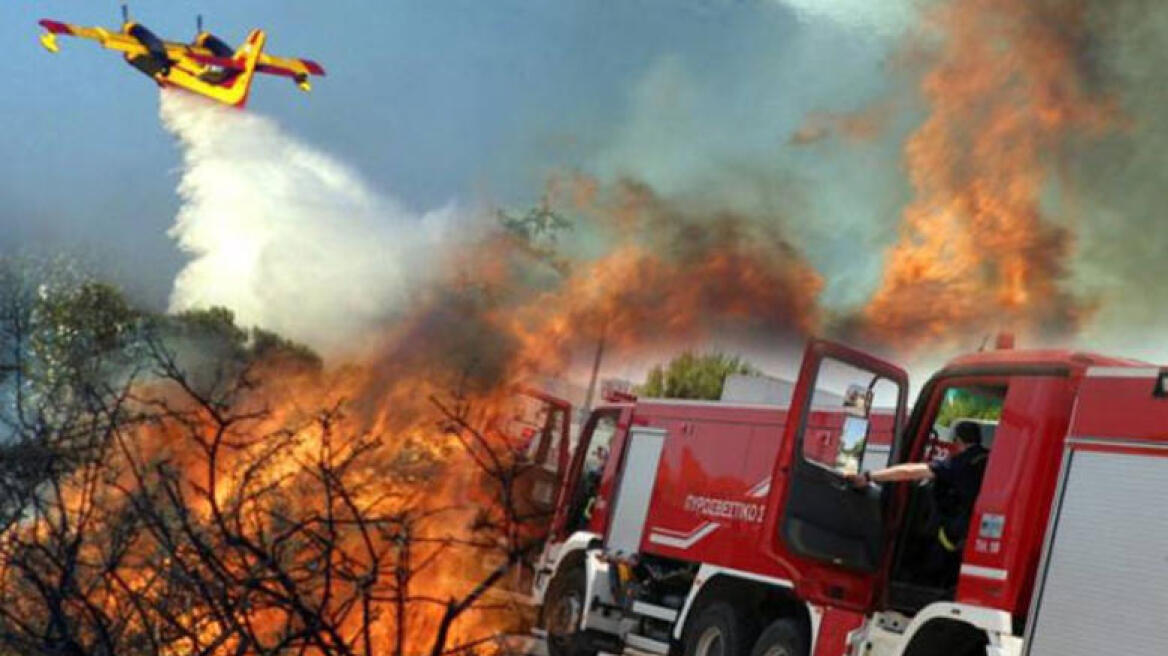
59 330
66 358
962 403
71 349
694 376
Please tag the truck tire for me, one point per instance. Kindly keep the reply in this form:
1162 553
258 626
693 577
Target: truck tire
562 608
784 637
719 629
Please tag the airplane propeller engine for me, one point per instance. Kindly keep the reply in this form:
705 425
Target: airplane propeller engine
155 60
211 42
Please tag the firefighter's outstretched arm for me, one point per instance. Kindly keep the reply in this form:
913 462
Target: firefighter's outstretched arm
909 471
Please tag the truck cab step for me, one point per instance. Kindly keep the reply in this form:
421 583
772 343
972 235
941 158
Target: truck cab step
663 613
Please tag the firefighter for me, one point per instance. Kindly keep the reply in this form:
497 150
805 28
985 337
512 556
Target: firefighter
956 482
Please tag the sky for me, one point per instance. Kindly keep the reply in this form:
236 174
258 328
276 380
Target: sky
469 105
453 101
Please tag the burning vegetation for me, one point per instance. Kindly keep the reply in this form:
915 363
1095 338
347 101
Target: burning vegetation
175 485
179 485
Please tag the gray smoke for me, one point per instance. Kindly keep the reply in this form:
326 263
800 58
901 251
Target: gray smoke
1118 208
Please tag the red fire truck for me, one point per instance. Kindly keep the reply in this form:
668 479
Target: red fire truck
725 530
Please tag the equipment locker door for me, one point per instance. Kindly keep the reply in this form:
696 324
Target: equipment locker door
1102 587
831 532
1102 590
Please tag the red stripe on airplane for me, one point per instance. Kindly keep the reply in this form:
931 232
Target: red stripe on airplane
55 27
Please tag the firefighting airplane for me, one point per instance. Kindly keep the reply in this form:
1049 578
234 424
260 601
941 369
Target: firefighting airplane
206 66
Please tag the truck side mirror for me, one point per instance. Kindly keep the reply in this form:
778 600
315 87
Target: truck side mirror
853 438
858 401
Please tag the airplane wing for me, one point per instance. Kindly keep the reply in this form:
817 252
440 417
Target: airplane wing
293 67
111 40
288 66
125 43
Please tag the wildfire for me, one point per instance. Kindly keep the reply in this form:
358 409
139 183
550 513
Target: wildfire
351 511
977 252
237 508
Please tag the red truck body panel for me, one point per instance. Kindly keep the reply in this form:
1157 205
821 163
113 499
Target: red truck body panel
709 499
1076 361
1018 485
1122 407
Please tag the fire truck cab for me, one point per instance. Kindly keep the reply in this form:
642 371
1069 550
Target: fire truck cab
718 530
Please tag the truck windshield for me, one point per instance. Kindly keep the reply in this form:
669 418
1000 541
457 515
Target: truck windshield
980 405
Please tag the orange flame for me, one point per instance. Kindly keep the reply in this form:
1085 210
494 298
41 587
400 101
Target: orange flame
977 252
674 273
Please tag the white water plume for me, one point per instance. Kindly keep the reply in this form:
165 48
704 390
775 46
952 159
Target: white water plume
284 235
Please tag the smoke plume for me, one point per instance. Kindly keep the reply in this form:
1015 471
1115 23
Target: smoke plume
1028 200
884 18
1121 184
283 234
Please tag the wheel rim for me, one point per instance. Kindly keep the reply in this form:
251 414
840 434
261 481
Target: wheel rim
710 643
776 650
564 618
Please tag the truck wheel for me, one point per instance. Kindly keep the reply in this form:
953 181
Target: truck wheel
719 630
562 611
784 637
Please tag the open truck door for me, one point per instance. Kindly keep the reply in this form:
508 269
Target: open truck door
827 530
540 424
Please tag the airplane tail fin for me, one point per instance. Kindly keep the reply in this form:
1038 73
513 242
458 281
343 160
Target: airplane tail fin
246 58
251 48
